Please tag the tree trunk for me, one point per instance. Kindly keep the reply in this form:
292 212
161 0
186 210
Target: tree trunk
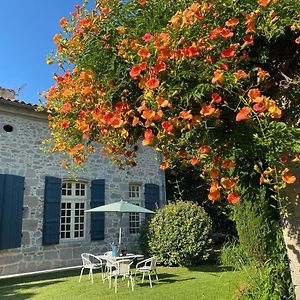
291 231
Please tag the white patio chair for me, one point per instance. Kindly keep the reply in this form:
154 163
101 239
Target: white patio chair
121 268
108 260
107 263
147 266
91 262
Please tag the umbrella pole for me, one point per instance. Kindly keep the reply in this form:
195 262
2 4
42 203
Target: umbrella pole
120 230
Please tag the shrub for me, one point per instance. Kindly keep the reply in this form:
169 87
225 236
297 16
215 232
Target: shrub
272 280
254 218
178 234
233 256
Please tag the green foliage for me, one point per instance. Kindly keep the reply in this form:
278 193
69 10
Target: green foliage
233 256
185 183
261 246
178 234
177 75
254 218
273 280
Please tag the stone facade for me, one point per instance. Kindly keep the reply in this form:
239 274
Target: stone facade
20 154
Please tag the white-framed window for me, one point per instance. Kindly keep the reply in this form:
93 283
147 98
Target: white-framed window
73 205
134 223
134 193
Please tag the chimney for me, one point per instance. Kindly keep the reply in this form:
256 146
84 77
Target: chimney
7 93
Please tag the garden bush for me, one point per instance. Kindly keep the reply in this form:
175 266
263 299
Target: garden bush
233 256
178 234
261 246
272 280
255 221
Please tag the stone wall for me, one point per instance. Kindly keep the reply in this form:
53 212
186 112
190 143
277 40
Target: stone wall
20 154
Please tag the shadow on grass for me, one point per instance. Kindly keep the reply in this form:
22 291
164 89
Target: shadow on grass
164 278
9 287
10 291
211 268
39 277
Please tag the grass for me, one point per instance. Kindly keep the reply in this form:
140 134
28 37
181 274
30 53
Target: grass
202 282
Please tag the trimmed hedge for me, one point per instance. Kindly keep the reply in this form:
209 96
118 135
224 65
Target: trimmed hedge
178 234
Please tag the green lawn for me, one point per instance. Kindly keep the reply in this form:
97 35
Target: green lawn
203 282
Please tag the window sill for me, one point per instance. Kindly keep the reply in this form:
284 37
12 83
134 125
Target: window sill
74 240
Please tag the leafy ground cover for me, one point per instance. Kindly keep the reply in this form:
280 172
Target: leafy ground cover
202 282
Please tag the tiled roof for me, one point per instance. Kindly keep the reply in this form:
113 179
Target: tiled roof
18 103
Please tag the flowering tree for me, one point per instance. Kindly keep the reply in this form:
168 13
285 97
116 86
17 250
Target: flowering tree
193 80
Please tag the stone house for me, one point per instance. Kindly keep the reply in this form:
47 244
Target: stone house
43 224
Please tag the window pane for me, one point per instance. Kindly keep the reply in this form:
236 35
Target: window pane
134 191
134 223
79 221
65 221
72 210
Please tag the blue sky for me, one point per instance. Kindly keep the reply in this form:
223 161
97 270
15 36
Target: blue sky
26 38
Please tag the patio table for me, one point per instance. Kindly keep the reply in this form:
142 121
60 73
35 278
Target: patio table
127 256
111 260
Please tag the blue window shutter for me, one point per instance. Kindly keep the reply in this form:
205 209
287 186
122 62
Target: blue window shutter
97 199
11 210
152 196
52 206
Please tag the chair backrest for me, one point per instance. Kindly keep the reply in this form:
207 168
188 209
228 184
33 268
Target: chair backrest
123 266
108 260
88 259
153 263
85 259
